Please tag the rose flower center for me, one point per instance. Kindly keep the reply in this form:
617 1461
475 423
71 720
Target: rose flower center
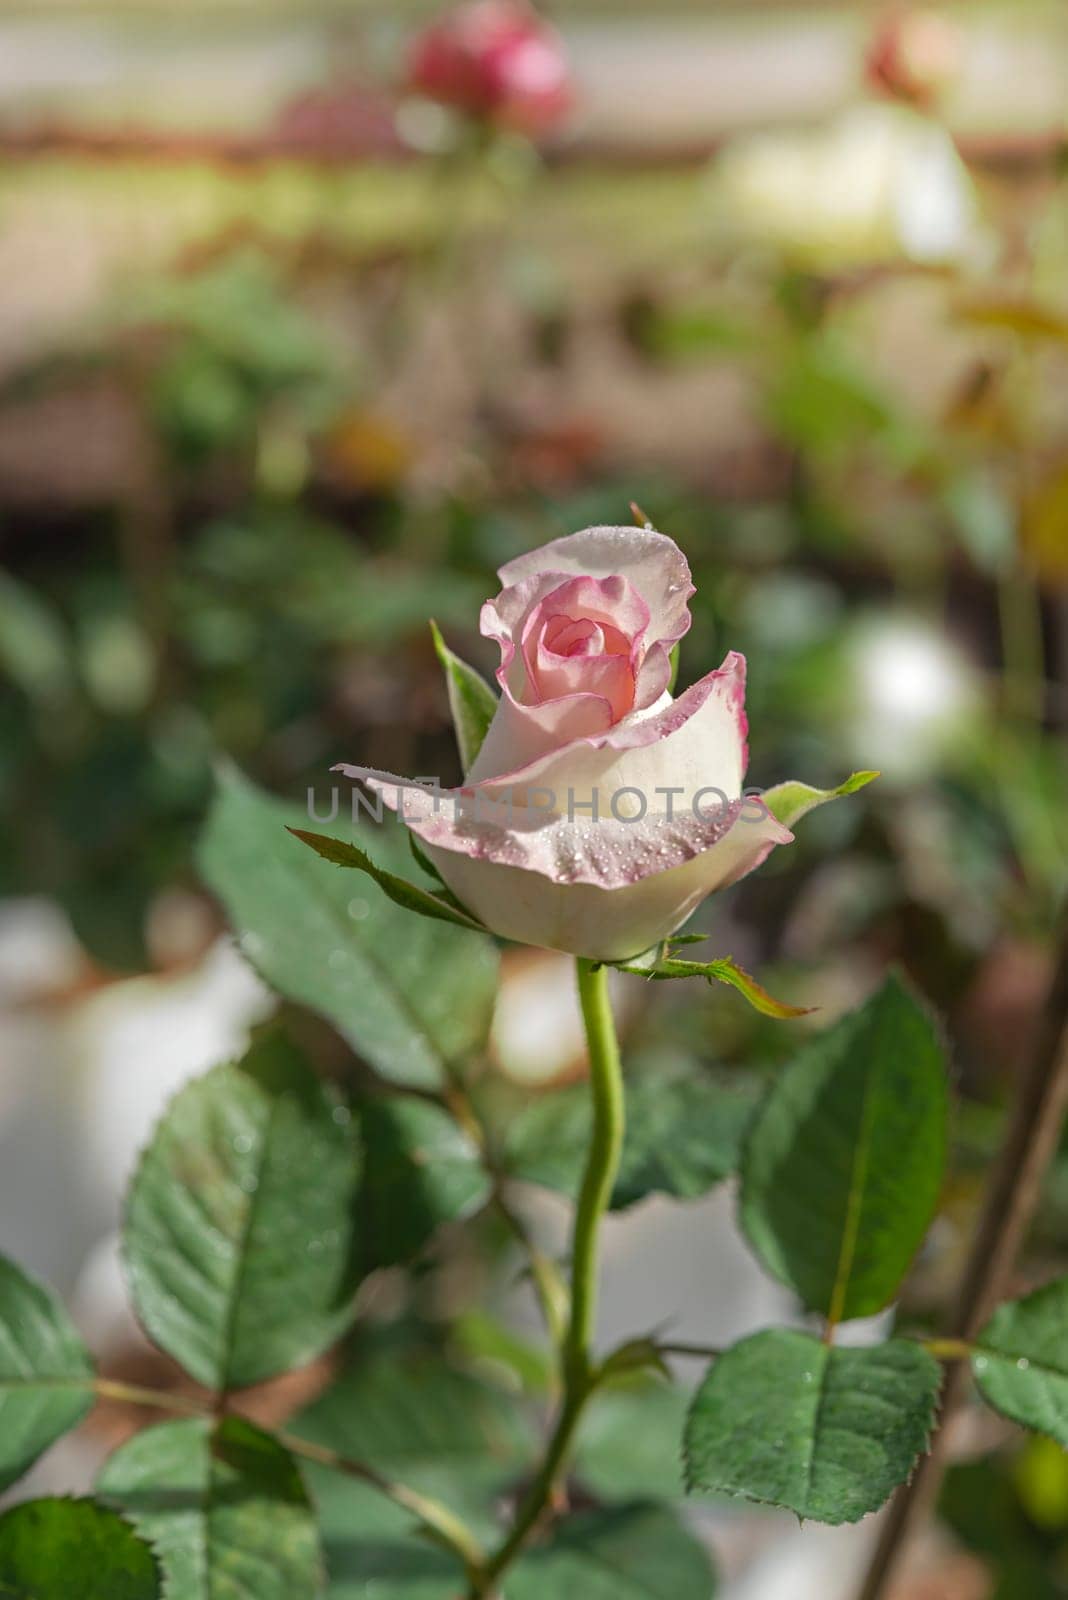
586 638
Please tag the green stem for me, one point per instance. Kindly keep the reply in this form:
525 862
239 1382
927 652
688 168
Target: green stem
578 1371
441 1523
602 1166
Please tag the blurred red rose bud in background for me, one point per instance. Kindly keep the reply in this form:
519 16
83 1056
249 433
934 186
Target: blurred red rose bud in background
914 56
496 60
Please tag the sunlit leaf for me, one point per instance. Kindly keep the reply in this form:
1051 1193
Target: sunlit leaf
46 1376
412 996
1021 1361
224 1508
241 1240
825 1431
843 1167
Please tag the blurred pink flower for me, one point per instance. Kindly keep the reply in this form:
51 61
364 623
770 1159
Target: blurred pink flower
914 56
495 60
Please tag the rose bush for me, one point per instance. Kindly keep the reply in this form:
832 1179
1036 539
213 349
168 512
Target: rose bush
600 810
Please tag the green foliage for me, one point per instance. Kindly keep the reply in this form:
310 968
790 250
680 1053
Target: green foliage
224 1508
412 1414
843 1168
635 1552
73 1550
420 1169
413 998
628 1445
684 1134
827 1432
1021 1361
241 1240
471 700
238 345
46 1376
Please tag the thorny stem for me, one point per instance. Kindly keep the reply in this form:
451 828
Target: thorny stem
579 1373
1006 1217
438 1521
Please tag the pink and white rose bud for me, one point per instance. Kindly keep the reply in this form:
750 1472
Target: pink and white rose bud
496 60
600 810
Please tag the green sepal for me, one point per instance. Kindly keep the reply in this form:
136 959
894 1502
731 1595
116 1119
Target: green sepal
471 700
660 964
409 895
789 802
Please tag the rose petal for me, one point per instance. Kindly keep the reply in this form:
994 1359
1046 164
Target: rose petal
611 853
653 563
604 891
697 741
598 923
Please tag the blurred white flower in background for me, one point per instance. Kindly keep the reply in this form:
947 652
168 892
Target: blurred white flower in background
880 184
914 695
134 1044
88 1067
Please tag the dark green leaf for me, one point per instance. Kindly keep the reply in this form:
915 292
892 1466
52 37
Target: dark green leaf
240 1238
223 1507
414 998
407 895
1021 1361
420 1170
46 1377
73 1550
825 1431
843 1167
471 700
632 1552
684 1132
